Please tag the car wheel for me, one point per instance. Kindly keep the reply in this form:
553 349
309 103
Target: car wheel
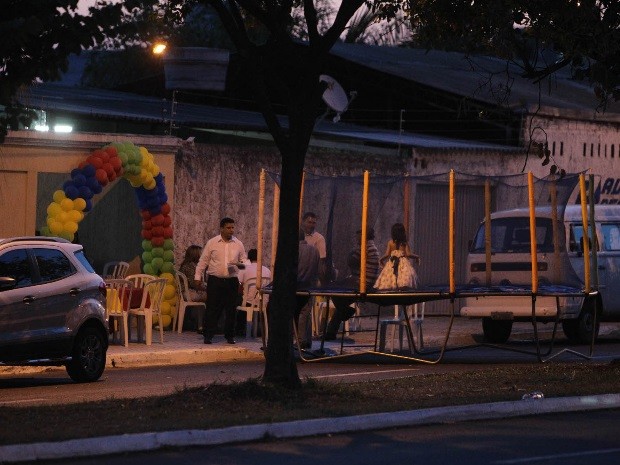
579 330
88 357
496 331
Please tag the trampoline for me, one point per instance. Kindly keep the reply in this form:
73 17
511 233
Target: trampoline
358 203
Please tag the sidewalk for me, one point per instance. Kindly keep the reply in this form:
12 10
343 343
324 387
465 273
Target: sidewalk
188 348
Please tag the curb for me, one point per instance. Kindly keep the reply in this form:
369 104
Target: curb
181 357
142 442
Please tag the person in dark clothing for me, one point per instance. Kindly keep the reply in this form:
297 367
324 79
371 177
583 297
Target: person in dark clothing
307 277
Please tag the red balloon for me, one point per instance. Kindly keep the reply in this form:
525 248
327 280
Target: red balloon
146 215
157 241
95 161
116 163
147 234
165 209
111 151
109 169
105 156
158 231
147 224
101 176
167 221
158 220
168 233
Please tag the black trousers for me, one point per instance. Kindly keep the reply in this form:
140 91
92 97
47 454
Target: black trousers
222 295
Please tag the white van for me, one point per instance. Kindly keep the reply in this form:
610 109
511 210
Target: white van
511 265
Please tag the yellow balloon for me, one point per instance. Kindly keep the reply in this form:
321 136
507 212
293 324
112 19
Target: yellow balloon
67 204
165 308
58 196
63 217
70 227
79 204
169 291
75 216
56 227
53 209
169 277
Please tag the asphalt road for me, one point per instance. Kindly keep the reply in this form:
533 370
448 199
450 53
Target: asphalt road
559 439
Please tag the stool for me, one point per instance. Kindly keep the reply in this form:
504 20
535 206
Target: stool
398 321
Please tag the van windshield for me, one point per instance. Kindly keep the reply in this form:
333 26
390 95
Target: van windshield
512 235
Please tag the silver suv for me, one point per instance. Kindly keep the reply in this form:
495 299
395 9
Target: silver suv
52 307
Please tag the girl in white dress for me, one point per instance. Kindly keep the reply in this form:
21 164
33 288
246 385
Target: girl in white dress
397 272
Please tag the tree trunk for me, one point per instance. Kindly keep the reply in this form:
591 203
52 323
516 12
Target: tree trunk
280 365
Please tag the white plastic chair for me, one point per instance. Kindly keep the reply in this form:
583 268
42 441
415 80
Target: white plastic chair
118 297
250 303
183 302
139 280
115 270
152 296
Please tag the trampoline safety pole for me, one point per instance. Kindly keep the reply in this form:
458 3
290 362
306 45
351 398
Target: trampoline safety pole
487 231
406 193
533 247
593 232
301 197
274 226
553 193
451 234
585 238
364 233
259 240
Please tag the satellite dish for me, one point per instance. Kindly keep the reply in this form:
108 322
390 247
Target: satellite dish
334 96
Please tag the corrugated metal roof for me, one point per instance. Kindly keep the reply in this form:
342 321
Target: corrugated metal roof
122 105
470 76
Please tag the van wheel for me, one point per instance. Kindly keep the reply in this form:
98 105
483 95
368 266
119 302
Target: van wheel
579 330
496 331
88 357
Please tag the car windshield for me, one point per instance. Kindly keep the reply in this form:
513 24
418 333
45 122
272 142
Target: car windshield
512 235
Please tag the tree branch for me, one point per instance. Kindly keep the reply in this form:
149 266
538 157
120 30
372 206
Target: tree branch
345 12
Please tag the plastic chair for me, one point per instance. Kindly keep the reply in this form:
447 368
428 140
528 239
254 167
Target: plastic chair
152 296
250 303
183 302
139 280
401 314
115 270
118 297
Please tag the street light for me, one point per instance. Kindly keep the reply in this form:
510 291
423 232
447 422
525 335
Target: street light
159 48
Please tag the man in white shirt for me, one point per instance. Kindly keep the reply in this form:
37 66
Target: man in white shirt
315 239
250 270
220 258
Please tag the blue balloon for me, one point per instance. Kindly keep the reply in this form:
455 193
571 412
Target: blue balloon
72 192
79 180
163 198
75 172
85 192
89 205
97 189
88 170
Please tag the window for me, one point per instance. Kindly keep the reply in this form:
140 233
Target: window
53 264
611 236
14 264
513 235
561 149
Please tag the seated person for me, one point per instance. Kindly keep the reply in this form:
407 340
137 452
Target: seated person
343 310
196 293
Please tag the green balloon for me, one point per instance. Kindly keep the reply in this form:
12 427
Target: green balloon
157 263
167 267
147 245
147 257
148 269
168 255
157 252
168 244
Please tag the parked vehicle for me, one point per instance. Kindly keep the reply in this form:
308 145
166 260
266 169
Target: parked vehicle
511 264
52 307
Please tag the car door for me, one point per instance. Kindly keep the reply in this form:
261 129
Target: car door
608 266
16 304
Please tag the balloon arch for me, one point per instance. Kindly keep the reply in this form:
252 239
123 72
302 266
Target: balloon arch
136 164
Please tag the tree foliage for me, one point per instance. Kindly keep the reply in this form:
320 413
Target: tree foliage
542 37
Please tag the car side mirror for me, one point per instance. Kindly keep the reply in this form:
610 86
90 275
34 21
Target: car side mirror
7 283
